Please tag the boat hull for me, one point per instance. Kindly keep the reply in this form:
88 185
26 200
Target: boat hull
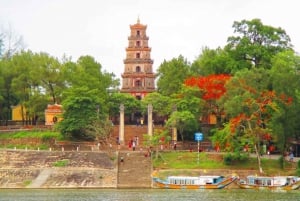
260 187
163 184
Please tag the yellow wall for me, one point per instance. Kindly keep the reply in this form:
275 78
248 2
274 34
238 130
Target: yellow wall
17 113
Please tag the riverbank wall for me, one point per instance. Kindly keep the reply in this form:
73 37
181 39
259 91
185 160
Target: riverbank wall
45 169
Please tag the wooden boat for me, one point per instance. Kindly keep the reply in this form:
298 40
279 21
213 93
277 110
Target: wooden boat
187 182
270 183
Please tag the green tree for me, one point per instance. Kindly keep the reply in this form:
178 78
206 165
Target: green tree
171 75
162 105
182 120
80 111
22 83
213 61
7 95
130 103
255 43
250 119
286 80
47 72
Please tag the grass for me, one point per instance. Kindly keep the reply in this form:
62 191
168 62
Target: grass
61 163
44 135
189 160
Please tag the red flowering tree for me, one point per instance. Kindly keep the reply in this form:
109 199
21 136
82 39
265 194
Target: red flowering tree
251 108
212 88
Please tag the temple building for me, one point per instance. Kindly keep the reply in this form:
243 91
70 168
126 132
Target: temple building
138 78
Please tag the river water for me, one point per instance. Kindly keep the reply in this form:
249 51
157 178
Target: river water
144 195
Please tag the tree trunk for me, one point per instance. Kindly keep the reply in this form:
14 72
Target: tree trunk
257 151
258 158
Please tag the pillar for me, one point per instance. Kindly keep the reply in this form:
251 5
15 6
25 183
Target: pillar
121 128
174 129
150 121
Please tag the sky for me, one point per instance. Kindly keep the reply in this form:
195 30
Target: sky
100 28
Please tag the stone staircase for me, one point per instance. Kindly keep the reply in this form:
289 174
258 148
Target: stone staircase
134 170
130 132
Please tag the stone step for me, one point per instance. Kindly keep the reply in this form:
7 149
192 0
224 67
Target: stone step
41 179
134 170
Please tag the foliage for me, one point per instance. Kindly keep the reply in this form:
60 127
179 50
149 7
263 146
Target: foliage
101 130
159 138
182 120
162 105
224 140
285 79
257 105
81 108
235 157
171 75
281 162
255 43
130 103
213 61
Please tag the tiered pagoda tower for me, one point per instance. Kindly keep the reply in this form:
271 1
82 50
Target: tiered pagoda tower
138 78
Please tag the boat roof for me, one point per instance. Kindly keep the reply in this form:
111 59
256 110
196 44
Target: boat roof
268 177
190 177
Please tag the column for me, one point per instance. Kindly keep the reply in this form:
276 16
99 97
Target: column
121 128
174 129
150 121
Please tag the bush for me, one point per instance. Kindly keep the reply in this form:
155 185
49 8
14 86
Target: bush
281 162
231 158
228 158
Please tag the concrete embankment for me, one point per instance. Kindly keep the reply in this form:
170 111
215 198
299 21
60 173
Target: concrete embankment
44 169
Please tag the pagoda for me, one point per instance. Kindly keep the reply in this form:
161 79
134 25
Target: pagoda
138 78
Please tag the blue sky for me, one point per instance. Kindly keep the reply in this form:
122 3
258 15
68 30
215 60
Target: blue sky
175 27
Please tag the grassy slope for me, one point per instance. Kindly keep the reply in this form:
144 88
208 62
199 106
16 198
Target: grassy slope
211 160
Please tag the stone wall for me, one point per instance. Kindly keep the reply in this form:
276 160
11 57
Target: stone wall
45 169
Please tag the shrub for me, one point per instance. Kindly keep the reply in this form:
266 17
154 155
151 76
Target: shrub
281 162
228 158
231 158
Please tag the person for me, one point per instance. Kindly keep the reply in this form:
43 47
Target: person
133 145
122 159
291 156
175 146
142 122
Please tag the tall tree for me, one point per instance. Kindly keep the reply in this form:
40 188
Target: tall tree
171 75
47 72
182 120
213 61
251 117
80 111
162 105
285 79
255 44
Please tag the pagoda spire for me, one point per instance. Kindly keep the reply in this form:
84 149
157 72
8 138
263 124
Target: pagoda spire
138 20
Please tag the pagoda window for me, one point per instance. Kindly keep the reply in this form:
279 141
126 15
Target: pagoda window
138 83
138 43
138 33
138 69
138 55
